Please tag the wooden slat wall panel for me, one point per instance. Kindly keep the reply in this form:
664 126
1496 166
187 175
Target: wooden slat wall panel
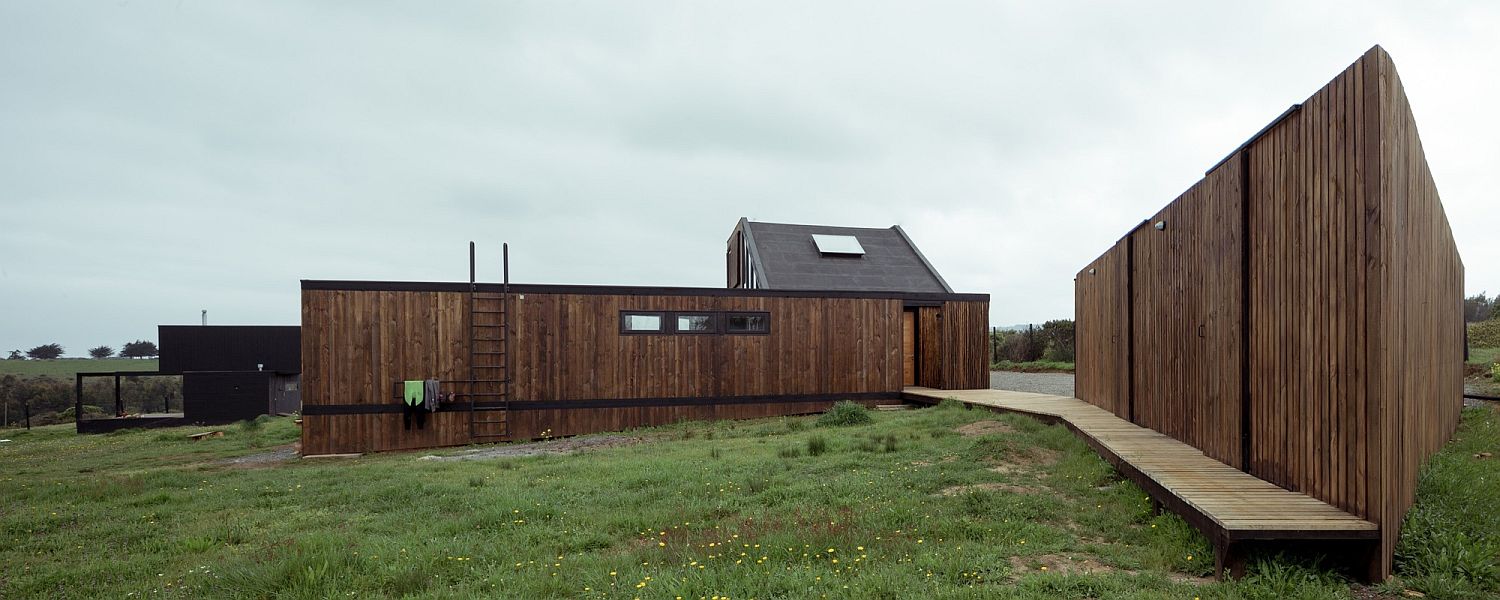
1422 295
356 344
1187 317
929 347
1102 342
1353 291
965 345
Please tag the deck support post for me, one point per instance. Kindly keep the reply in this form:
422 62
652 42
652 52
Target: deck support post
1229 560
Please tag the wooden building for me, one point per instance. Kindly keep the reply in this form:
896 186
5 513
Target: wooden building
1298 313
528 361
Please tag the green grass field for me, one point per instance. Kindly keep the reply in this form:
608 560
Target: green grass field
65 368
921 503
1484 356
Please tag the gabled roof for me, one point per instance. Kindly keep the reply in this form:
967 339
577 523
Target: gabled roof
789 260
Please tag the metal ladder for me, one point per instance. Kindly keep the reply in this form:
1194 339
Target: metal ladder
489 345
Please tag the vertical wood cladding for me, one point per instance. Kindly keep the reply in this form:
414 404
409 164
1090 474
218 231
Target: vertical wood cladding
1186 313
566 347
1354 292
1102 332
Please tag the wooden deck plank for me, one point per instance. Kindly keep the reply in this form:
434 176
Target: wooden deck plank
1228 502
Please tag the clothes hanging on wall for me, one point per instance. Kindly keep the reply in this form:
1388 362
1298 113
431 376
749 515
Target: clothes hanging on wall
414 392
430 395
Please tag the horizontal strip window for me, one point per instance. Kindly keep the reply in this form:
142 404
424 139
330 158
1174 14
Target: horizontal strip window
644 322
695 323
753 323
636 322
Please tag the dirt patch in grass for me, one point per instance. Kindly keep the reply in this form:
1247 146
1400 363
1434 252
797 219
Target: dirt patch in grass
1025 462
1076 564
271 458
563 446
987 487
984 427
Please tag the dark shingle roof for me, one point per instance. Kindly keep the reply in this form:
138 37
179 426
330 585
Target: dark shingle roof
790 261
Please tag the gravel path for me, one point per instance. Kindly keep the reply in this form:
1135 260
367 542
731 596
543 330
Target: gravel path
1057 384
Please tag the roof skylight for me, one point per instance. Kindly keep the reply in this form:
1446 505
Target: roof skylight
842 245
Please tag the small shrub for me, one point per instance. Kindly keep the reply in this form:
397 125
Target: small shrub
845 413
789 452
1485 334
890 443
816 445
713 452
868 445
250 425
794 425
476 482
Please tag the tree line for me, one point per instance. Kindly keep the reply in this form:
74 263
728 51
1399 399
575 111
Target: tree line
1052 341
50 400
1479 307
136 349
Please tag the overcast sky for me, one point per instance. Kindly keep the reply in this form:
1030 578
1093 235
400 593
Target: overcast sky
158 158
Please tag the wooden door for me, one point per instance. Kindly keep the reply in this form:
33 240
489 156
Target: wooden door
908 348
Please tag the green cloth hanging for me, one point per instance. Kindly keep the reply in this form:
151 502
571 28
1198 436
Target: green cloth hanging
414 392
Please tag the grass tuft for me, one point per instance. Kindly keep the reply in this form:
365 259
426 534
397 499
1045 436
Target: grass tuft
844 414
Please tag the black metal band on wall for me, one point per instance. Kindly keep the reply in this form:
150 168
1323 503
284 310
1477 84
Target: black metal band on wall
596 403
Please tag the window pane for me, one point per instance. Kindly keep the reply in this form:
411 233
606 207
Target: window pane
749 323
695 323
639 322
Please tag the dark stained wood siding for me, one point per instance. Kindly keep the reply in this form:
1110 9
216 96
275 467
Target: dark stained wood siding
1102 334
1353 290
1186 302
965 348
566 347
1422 327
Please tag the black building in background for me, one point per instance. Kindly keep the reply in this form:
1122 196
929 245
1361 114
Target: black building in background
233 372
229 373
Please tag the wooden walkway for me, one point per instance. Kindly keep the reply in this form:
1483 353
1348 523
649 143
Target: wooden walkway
1232 508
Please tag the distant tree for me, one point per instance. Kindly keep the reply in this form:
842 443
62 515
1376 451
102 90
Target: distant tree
16 355
1059 340
139 349
1480 307
102 352
45 351
1021 346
